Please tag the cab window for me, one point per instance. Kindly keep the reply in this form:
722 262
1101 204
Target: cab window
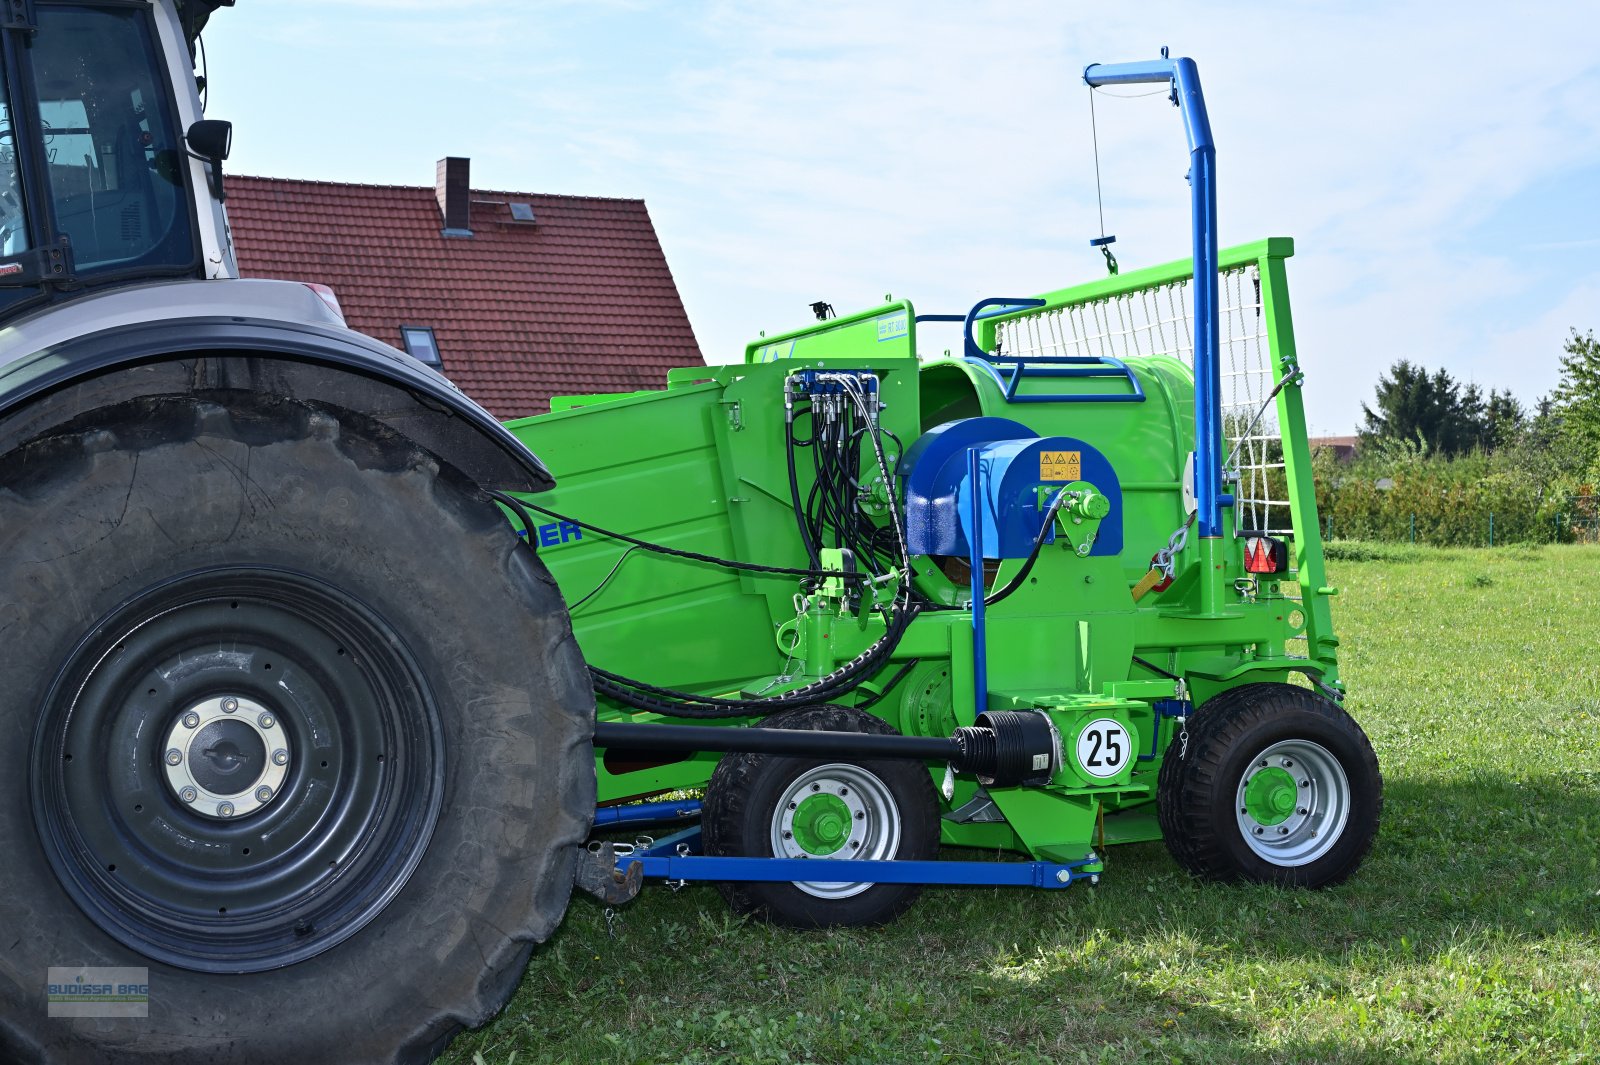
13 223
113 153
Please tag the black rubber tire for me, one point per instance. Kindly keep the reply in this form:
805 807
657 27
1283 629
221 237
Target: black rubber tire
174 489
741 801
1197 794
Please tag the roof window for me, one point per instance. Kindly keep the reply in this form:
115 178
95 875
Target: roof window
421 345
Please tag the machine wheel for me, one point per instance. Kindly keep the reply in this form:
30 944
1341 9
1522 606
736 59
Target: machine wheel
764 805
290 722
1280 786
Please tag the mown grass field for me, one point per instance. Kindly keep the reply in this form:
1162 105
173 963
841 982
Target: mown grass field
1471 934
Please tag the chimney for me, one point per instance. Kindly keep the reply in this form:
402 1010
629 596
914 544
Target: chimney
450 184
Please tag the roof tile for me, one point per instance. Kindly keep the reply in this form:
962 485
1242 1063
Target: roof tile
582 300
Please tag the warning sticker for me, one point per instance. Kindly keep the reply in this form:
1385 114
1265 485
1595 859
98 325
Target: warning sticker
1060 465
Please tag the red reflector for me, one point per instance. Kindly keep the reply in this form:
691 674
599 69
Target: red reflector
1263 554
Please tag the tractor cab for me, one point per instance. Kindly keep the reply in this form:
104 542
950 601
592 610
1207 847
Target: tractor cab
100 180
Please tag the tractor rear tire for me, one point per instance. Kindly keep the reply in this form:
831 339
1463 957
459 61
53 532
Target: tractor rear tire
347 619
1279 786
765 805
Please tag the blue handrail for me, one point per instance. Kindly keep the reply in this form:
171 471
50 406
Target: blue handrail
1060 366
993 307
1037 365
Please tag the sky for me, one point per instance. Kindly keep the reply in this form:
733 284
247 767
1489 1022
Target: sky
1437 165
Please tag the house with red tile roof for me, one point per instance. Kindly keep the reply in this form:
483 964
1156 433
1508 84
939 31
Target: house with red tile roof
515 296
1344 448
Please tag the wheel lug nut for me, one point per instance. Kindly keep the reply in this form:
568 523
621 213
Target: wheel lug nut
263 793
280 757
1283 831
174 756
1260 830
191 720
861 815
265 721
816 787
225 809
1287 763
1302 811
229 705
1305 783
188 795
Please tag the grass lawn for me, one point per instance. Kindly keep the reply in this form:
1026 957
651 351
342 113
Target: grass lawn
1472 932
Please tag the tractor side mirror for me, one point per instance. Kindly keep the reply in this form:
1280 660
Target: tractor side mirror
212 139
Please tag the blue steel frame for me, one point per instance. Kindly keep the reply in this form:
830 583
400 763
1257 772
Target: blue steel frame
862 870
646 813
676 858
1184 77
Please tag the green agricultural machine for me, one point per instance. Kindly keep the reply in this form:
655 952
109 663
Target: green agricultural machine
1060 590
318 680
997 551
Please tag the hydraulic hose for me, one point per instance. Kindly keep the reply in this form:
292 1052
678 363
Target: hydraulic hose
674 703
794 491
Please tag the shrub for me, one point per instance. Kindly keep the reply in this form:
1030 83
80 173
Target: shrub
1401 493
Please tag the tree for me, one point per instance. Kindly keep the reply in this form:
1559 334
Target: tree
1481 423
1537 451
1437 414
1504 419
1577 396
1462 426
1411 405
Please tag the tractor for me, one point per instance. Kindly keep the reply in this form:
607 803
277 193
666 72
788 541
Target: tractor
319 680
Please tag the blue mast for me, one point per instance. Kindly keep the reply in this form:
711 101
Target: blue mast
1184 78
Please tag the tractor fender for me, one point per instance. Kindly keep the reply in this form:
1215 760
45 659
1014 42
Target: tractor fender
272 337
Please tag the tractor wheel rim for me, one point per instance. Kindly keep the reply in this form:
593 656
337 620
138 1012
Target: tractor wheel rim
833 812
153 829
1293 802
226 756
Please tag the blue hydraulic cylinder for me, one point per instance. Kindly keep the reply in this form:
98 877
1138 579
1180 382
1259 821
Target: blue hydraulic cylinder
1184 77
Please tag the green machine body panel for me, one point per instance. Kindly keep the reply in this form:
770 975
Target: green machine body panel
702 467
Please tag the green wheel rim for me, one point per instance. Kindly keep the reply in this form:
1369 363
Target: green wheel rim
822 823
835 811
1309 779
1269 796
